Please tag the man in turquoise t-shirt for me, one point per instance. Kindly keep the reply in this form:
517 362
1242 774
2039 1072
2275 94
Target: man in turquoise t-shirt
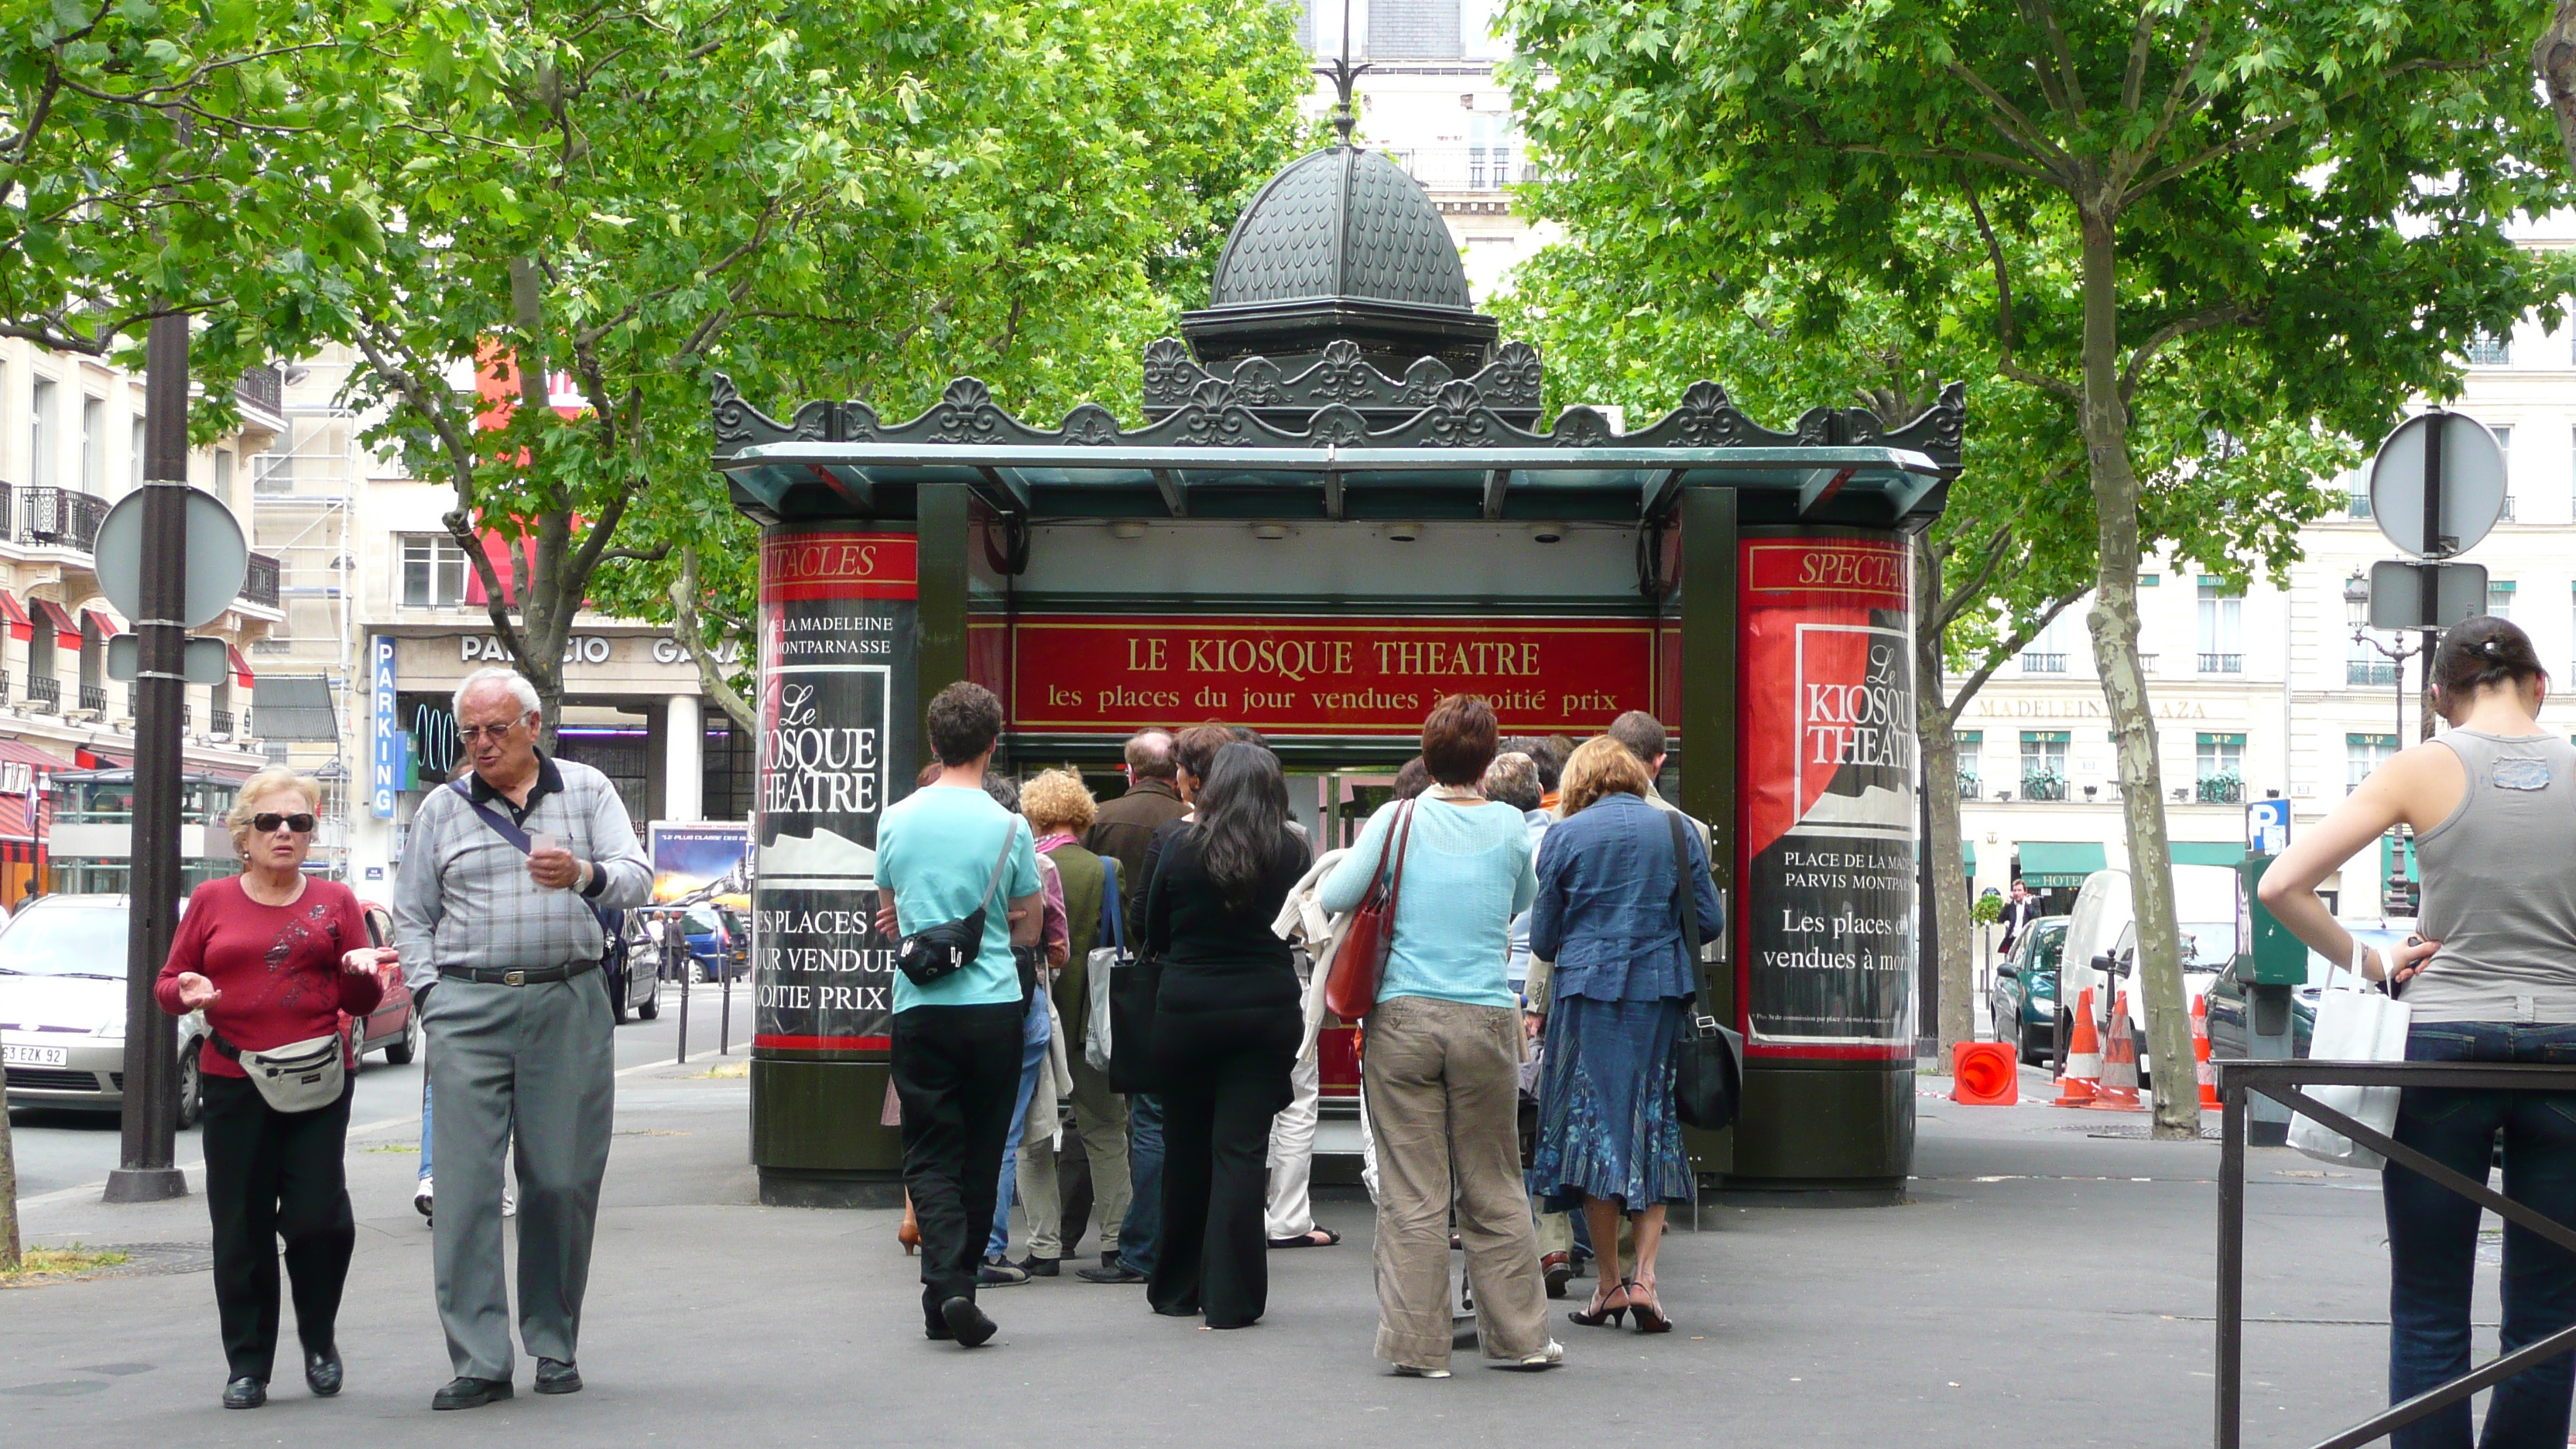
957 1040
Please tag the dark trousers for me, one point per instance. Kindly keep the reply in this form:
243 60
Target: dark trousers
2433 1236
1224 1076
274 1175
957 1075
1140 1236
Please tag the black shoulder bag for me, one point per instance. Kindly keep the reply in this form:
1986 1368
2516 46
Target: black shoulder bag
935 953
1134 985
1708 1059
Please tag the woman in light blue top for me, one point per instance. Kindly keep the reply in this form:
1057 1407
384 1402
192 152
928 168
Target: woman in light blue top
1440 1065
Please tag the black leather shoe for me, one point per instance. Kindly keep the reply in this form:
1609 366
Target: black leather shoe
968 1322
554 1376
1037 1267
465 1393
1112 1269
245 1393
322 1372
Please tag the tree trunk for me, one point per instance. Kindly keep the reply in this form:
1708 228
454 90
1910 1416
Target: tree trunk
9 1246
2554 57
1940 745
684 625
2114 622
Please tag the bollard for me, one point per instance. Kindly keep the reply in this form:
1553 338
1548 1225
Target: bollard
685 974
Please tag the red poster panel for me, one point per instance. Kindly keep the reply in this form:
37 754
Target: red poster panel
797 567
1110 674
1831 767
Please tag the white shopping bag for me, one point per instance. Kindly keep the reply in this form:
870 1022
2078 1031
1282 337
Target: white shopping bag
2356 1022
1103 959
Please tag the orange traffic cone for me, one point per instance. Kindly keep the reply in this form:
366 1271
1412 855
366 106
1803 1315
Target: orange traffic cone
2200 1054
2119 1091
2083 1057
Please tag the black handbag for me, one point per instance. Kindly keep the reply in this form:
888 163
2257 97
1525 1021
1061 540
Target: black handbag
935 953
1133 985
1708 1059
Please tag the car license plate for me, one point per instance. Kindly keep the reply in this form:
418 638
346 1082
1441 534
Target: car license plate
34 1056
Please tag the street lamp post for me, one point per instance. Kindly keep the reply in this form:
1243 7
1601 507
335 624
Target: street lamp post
2356 604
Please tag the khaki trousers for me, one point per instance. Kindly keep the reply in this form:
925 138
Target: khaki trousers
1100 1123
1443 1083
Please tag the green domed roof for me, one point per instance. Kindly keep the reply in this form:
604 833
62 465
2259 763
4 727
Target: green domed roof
1341 223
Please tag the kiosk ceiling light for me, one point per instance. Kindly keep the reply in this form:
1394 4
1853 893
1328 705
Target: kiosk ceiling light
1270 531
1403 532
1127 528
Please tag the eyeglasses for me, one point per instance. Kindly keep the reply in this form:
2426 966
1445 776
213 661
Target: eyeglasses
496 733
267 822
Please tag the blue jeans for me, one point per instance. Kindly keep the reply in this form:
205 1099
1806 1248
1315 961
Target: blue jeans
424 1124
2433 1236
1140 1237
1037 1031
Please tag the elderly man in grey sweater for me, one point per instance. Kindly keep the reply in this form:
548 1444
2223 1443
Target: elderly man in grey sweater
495 913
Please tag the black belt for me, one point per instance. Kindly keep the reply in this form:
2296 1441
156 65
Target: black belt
517 976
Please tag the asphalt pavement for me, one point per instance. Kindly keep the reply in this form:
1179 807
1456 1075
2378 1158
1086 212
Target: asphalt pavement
2049 1281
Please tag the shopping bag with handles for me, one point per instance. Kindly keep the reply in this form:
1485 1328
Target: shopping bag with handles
2357 1021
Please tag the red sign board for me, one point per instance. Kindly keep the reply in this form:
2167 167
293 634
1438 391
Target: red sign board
1339 675
805 566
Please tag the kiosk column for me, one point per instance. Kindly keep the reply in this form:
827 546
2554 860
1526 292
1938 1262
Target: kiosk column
839 687
1826 860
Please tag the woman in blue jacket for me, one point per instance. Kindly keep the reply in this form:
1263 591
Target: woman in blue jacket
1608 915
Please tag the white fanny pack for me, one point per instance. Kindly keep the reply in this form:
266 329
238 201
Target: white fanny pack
301 1076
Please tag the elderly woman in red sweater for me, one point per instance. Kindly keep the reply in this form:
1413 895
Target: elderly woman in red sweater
273 956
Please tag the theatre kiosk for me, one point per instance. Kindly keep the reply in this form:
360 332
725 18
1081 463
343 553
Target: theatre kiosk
1343 503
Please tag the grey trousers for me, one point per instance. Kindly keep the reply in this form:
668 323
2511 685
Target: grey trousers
1100 1122
538 1061
1443 1085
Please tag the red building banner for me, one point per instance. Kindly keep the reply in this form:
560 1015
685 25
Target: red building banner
1110 674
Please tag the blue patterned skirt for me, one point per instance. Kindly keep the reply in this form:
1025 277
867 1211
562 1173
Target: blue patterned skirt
1606 1126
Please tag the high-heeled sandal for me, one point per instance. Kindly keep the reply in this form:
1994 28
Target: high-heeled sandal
1600 1312
1650 1314
910 1233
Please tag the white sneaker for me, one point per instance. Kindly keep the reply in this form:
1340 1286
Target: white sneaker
1548 1357
420 1201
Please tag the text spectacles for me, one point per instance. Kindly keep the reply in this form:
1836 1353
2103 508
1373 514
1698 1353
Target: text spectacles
496 733
267 823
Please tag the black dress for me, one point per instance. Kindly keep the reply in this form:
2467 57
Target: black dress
1227 1024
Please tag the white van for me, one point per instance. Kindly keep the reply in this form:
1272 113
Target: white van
2102 945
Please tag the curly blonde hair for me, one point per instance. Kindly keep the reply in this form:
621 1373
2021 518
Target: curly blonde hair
275 777
1601 766
1058 802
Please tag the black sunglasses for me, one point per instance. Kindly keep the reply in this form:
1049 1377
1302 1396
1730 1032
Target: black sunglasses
299 822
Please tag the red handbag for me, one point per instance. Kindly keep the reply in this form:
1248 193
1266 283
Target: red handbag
1350 992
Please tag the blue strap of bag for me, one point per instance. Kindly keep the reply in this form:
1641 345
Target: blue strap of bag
1112 919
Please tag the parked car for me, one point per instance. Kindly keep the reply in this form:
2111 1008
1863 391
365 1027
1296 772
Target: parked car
633 964
2228 1034
2023 997
62 1007
393 1027
2101 946
711 942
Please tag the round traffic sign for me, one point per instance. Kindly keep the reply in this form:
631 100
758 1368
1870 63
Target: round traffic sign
2471 479
218 558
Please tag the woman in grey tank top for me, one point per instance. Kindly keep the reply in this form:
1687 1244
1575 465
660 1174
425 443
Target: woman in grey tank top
2490 978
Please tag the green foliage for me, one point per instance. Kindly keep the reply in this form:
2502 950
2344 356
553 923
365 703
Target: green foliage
1987 909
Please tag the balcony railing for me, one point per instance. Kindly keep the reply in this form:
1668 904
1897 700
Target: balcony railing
93 697
263 388
2221 790
1465 168
2370 671
219 721
1969 784
2147 664
45 691
2222 664
259 580
2043 785
62 516
2035 661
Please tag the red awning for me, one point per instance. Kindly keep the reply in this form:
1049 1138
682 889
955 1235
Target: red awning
241 668
108 628
67 632
21 628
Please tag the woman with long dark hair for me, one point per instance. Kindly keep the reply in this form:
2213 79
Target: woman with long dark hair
2491 977
1227 1028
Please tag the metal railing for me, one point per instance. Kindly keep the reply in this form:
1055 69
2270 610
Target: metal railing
1969 785
1465 168
93 697
2034 661
259 580
263 388
2222 789
63 516
2281 1081
2043 787
2370 671
2222 664
46 690
219 721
